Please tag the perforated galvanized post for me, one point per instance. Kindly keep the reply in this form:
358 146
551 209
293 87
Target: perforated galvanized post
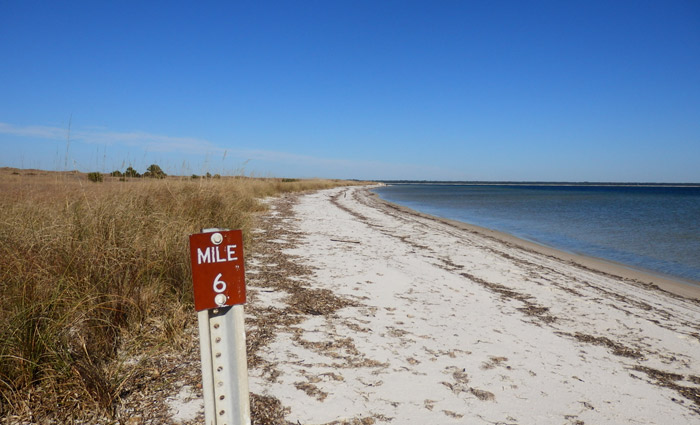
219 293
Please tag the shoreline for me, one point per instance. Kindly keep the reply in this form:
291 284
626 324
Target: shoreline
648 279
361 312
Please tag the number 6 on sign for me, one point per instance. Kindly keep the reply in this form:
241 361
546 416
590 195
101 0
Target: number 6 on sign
219 285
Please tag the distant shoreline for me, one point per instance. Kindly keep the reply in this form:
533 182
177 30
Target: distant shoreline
535 183
645 278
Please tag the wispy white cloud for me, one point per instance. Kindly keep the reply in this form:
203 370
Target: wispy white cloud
147 141
38 131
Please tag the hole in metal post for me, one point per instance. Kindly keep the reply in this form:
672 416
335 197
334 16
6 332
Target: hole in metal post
218 339
219 369
222 413
216 326
218 355
221 397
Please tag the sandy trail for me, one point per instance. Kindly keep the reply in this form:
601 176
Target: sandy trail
435 324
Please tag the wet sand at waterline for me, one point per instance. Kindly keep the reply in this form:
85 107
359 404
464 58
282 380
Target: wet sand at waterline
416 320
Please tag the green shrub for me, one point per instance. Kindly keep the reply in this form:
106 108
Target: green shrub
154 171
130 172
95 177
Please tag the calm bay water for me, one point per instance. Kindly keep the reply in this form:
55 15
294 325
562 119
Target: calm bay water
654 228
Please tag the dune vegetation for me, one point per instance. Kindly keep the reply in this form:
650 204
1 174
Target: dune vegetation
93 271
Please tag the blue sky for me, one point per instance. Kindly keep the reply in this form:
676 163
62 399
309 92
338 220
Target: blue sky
450 90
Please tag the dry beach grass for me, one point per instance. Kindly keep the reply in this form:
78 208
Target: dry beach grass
95 283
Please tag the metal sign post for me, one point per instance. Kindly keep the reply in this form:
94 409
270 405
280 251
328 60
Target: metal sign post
218 278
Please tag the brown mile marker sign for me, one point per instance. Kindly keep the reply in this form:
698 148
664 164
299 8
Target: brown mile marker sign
218 275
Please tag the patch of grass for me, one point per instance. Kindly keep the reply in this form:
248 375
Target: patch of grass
87 270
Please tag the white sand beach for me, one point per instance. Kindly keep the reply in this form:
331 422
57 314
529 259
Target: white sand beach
433 323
